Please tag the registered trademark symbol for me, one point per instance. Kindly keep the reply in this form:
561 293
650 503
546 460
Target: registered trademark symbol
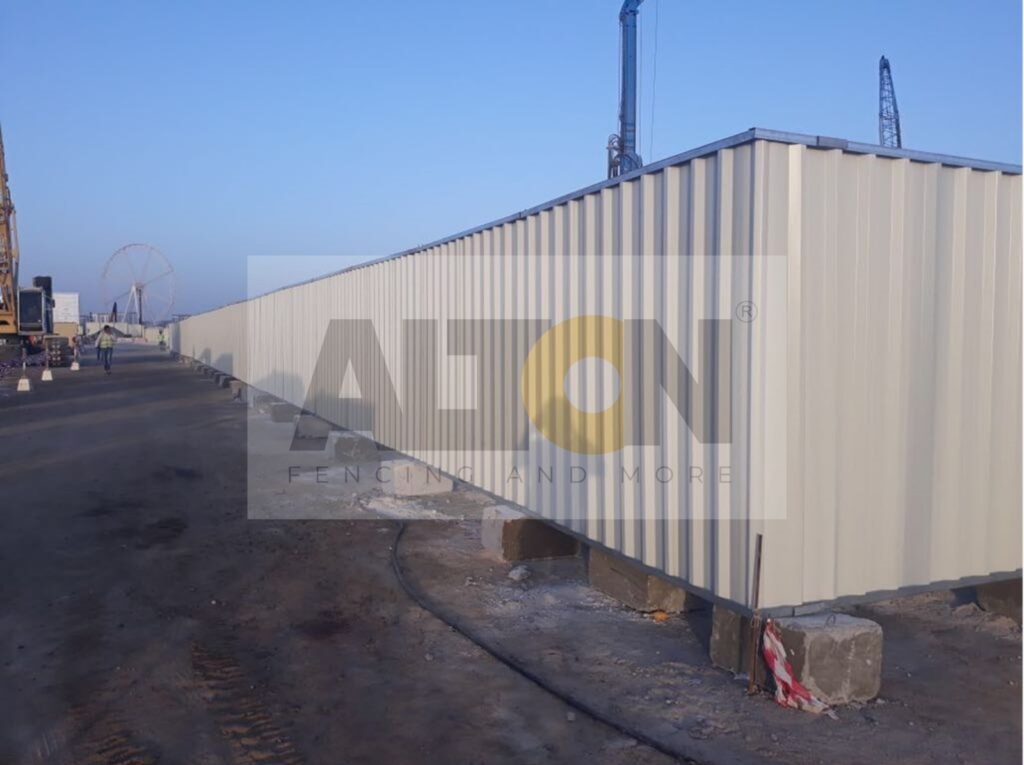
746 311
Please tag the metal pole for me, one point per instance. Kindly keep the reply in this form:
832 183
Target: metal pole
755 618
627 158
627 108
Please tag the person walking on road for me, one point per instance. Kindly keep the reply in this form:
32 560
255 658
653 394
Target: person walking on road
105 345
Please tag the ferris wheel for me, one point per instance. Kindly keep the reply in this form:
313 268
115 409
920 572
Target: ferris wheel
139 280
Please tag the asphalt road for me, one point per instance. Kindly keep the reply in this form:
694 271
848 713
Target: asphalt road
144 619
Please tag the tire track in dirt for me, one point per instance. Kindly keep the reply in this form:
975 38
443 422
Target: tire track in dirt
95 727
106 739
91 731
93 734
250 729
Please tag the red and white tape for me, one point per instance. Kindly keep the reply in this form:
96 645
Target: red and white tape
789 692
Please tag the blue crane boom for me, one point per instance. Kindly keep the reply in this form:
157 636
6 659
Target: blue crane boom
622 154
889 131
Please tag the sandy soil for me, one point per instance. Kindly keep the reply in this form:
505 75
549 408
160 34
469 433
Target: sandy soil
144 618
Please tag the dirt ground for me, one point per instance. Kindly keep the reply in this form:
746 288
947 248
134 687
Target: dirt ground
144 618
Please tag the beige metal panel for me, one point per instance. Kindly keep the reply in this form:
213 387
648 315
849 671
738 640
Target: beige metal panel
905 378
883 423
213 338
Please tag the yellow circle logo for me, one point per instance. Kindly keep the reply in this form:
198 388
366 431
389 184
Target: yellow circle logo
543 384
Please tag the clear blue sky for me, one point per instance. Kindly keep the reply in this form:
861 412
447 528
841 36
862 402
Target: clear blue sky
217 131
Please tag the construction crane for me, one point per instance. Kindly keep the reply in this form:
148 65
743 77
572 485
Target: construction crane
8 257
889 133
26 313
622 154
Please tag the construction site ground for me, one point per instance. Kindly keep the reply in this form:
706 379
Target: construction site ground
144 617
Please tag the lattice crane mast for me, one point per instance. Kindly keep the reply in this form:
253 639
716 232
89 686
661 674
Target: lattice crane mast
889 133
8 257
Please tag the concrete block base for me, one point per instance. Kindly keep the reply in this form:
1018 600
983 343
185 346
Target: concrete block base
263 401
730 646
238 390
1003 598
633 586
408 478
837 657
223 380
352 448
514 536
311 426
283 412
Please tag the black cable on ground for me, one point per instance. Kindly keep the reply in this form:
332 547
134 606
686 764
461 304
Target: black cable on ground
579 705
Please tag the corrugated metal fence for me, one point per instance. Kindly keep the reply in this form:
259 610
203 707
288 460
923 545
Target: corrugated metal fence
879 403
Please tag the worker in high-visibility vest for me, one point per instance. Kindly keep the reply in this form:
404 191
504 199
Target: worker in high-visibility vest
105 343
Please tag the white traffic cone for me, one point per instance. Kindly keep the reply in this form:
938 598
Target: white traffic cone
24 384
47 374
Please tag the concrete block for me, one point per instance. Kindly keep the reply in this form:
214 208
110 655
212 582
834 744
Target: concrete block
352 448
263 402
283 412
238 390
633 586
730 646
1003 598
409 478
515 536
837 657
311 426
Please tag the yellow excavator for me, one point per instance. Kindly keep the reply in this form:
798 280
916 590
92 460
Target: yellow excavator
26 313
